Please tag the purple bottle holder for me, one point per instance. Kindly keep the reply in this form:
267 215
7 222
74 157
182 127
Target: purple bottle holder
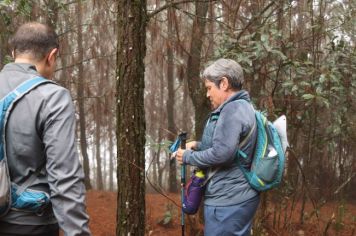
194 192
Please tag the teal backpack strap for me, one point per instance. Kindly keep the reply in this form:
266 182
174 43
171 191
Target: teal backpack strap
8 102
243 143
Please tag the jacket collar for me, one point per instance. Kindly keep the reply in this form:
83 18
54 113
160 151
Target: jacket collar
242 94
21 67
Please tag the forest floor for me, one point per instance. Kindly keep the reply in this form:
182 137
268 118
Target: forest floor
102 211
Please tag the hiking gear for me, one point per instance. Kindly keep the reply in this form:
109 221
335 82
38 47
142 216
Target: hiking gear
41 129
195 188
194 192
230 220
281 127
267 167
219 143
12 195
183 139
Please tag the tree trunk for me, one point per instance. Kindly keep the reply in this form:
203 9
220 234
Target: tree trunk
80 94
196 87
51 8
99 175
170 100
111 157
131 50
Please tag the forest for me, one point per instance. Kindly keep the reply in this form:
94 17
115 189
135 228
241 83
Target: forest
133 68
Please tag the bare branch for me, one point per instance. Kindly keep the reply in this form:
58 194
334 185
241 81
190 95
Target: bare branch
85 60
173 4
254 19
344 184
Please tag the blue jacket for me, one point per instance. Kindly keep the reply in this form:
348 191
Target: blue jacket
218 147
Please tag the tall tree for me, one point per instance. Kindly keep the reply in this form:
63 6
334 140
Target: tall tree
98 157
171 98
196 88
131 50
80 94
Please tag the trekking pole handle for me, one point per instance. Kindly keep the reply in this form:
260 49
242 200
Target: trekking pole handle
183 141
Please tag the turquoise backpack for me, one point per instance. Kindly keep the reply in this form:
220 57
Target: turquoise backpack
267 166
12 195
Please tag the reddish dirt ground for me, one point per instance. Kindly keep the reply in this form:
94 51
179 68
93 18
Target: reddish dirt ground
102 211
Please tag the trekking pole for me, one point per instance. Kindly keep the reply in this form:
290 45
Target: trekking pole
183 139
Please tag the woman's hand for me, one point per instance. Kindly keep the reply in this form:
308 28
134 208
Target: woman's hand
179 156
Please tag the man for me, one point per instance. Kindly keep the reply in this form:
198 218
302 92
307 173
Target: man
40 140
229 201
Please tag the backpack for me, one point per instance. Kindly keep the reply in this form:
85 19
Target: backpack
267 166
266 170
194 189
12 195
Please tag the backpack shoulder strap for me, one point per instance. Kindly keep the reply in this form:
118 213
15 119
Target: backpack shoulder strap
21 90
6 103
241 144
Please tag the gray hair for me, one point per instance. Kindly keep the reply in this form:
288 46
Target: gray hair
225 68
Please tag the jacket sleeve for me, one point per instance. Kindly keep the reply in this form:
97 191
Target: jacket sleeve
65 174
231 124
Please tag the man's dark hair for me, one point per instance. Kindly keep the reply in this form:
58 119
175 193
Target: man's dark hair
34 38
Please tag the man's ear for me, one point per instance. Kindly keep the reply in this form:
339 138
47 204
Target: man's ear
51 58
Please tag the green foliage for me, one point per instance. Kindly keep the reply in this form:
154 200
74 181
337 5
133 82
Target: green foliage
8 59
167 218
152 144
340 217
316 82
308 72
17 7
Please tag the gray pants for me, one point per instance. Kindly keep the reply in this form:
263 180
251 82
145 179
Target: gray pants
230 220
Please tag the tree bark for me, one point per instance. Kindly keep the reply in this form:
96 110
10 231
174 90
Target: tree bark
111 156
80 94
99 176
196 87
131 50
171 100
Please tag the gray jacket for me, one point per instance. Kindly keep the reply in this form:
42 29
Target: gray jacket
41 129
218 147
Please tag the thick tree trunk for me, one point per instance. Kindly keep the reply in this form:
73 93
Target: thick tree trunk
131 50
196 87
80 94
